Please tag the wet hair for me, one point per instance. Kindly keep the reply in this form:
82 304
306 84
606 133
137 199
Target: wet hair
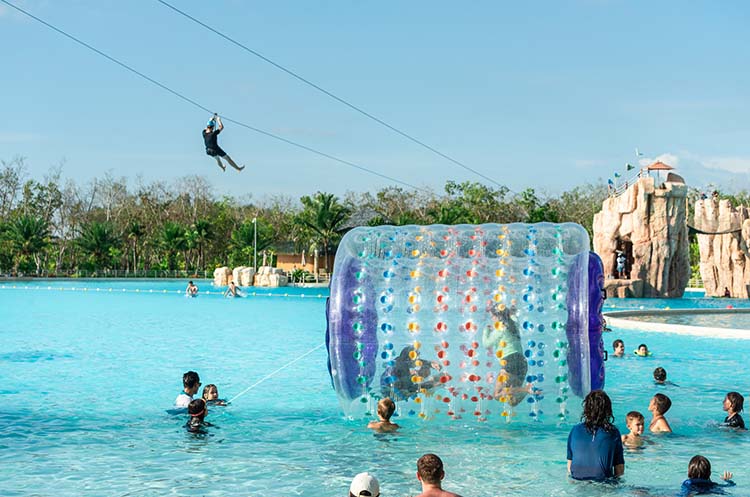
660 374
430 469
699 467
617 342
736 400
642 345
190 379
197 409
386 407
635 415
207 388
190 282
663 403
597 412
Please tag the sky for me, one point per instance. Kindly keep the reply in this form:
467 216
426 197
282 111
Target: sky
548 95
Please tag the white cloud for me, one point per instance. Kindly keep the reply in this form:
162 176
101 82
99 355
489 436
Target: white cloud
666 158
732 164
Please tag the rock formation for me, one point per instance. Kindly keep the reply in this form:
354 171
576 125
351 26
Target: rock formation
222 276
650 225
723 234
270 276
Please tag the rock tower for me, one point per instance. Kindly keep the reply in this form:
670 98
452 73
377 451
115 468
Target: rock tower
649 224
723 236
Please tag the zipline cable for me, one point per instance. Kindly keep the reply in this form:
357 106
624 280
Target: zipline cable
204 108
328 93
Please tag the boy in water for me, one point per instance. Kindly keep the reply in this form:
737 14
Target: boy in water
191 290
660 376
635 423
699 479
618 347
733 405
642 351
386 408
659 406
190 382
210 138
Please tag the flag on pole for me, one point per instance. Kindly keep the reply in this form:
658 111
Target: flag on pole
629 167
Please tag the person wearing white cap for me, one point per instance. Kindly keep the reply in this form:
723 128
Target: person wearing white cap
364 485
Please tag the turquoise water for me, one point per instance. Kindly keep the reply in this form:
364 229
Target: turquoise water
86 377
738 321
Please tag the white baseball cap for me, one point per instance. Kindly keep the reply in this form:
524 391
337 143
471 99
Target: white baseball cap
364 482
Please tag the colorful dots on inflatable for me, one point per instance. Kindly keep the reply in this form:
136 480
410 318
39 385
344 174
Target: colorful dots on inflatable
485 322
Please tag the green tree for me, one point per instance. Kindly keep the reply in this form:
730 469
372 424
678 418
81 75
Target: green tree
29 236
324 215
243 239
96 240
172 240
134 232
202 231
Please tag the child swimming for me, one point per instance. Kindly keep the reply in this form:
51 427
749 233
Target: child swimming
635 423
733 405
504 338
386 408
642 351
658 406
197 411
211 396
699 479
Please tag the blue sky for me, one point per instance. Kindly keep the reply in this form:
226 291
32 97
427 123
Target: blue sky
532 94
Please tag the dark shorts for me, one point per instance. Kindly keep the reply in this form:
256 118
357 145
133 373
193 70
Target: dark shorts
213 152
516 367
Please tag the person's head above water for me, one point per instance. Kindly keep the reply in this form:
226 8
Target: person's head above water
699 467
619 348
597 411
191 381
642 350
660 375
386 408
734 401
210 392
197 409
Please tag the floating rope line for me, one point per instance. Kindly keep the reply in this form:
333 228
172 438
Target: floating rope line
151 290
269 375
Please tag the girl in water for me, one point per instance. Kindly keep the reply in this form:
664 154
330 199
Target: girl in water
504 338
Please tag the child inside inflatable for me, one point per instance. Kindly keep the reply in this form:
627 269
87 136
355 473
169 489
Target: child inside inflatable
490 322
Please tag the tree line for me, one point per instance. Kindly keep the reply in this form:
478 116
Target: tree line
54 226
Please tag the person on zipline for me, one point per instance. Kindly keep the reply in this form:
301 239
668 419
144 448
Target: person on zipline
210 135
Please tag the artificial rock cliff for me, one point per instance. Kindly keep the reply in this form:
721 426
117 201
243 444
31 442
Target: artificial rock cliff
723 237
650 225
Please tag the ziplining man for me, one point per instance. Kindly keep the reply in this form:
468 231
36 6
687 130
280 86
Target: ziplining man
210 137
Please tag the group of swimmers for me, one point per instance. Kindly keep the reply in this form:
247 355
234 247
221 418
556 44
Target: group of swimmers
232 291
197 408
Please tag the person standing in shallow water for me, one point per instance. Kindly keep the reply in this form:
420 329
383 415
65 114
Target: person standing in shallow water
210 138
595 449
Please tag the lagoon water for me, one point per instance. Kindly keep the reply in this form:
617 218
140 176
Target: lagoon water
86 378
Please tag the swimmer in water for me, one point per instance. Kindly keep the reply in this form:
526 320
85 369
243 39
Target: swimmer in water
386 408
211 396
191 290
197 411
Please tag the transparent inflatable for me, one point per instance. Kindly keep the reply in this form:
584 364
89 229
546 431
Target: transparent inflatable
487 322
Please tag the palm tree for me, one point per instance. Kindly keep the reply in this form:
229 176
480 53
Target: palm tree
203 230
29 236
243 238
134 232
96 241
172 240
324 215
